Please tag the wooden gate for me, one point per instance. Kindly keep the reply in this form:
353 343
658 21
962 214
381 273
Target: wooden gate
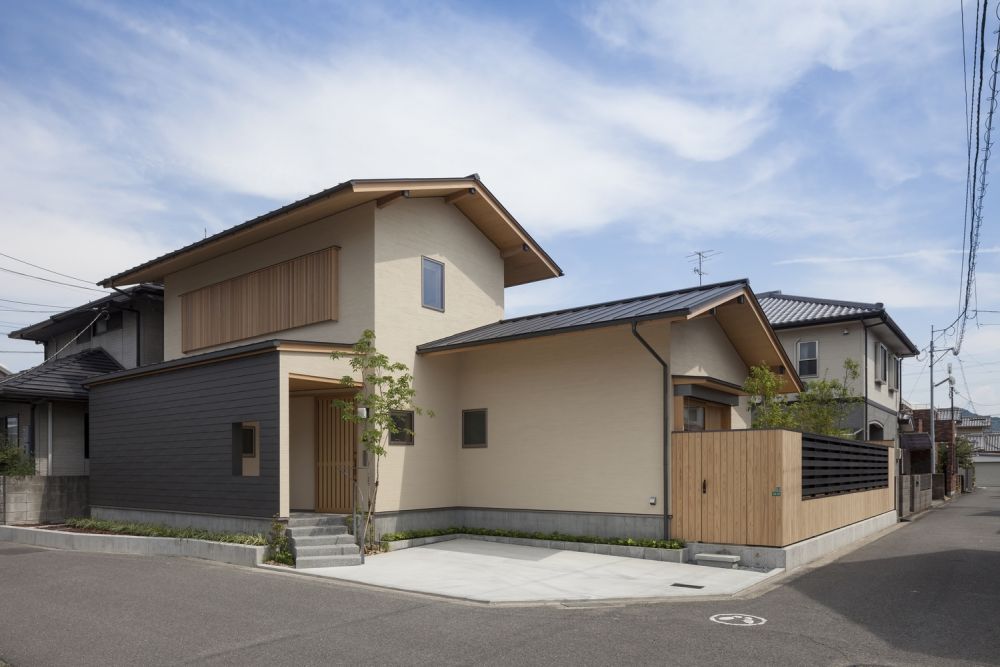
708 482
335 447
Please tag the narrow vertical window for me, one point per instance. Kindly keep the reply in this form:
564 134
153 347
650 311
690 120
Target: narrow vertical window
808 358
403 422
432 284
246 449
474 428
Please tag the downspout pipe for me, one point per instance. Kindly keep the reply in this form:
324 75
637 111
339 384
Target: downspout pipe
666 427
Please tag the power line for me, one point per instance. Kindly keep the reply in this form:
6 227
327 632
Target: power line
965 382
22 351
49 280
64 275
46 305
22 310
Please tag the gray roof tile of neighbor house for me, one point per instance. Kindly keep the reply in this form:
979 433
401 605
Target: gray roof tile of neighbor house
60 378
652 306
785 311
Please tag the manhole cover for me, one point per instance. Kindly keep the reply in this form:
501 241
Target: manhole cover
737 619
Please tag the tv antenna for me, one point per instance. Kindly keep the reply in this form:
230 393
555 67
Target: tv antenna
702 256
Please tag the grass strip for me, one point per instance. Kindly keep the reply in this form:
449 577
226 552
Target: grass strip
555 537
157 530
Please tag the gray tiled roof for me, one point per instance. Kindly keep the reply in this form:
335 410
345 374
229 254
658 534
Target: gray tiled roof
784 311
652 306
787 309
60 378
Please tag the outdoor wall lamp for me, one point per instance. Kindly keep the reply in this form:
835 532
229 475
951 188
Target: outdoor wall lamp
362 413
652 500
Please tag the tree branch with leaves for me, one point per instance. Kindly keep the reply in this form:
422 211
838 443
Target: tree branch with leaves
385 387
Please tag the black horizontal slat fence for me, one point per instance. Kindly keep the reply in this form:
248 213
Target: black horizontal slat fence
833 465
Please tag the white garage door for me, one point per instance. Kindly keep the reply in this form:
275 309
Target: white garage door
988 473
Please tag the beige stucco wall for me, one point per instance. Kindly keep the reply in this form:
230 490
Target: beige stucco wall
425 475
574 423
302 452
351 230
834 347
701 347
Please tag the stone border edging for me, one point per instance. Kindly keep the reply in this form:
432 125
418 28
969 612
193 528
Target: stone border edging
134 545
647 553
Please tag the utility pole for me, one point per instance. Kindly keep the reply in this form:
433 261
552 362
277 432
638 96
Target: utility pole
933 361
702 256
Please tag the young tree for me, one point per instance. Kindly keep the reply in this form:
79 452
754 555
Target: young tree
768 408
963 453
386 386
822 407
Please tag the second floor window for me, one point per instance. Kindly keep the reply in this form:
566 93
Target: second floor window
882 362
432 284
808 358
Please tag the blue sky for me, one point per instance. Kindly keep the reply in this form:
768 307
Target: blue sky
819 146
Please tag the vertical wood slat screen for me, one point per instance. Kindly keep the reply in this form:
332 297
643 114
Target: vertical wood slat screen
283 296
335 444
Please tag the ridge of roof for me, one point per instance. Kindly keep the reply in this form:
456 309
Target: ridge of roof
607 313
61 376
631 299
472 179
776 294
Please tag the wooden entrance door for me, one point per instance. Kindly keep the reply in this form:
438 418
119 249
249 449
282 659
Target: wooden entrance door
335 447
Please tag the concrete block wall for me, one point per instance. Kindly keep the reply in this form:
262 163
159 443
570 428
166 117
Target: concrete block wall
34 500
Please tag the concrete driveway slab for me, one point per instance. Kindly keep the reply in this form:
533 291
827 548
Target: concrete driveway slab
493 572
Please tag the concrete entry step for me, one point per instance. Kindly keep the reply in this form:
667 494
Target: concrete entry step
297 520
718 560
307 531
320 540
307 562
326 550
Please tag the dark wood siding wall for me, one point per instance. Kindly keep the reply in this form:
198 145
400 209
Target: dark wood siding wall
164 441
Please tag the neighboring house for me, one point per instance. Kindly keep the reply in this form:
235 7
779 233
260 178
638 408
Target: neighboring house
560 419
820 334
44 409
986 457
4 372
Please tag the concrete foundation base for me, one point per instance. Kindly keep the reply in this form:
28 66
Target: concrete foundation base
636 526
214 522
800 553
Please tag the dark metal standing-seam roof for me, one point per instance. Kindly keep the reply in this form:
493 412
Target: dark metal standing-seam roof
60 378
601 314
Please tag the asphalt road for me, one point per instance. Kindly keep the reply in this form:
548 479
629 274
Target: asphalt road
926 593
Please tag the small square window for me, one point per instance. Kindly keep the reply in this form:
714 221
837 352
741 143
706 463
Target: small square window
403 421
10 433
694 418
474 428
432 284
808 358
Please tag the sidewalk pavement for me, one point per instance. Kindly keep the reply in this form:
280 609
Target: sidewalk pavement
493 572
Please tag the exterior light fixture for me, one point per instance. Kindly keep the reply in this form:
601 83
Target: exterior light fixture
362 413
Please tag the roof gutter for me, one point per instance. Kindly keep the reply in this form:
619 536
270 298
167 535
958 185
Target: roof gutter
666 427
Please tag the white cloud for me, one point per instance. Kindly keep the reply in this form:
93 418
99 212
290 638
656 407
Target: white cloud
760 47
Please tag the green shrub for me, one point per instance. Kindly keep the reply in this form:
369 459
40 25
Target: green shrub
554 537
14 461
156 530
278 548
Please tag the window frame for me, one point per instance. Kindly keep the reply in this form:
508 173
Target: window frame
700 409
409 438
17 429
242 460
799 358
423 287
486 429
881 364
